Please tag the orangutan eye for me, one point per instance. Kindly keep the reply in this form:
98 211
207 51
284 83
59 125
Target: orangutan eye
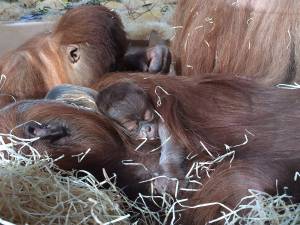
130 125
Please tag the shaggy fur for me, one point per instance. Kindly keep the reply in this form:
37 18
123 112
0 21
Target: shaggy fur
257 39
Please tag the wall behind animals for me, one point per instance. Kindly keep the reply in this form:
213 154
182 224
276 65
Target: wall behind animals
13 35
139 17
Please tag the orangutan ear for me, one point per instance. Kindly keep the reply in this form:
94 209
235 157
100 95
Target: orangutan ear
73 53
52 131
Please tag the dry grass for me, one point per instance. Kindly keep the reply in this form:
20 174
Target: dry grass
140 17
264 209
34 191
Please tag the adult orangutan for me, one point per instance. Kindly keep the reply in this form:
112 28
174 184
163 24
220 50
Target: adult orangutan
67 130
207 118
86 43
254 38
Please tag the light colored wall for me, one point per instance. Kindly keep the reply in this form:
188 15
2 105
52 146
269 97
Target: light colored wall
13 35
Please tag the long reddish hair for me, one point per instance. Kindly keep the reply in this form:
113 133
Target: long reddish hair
42 62
225 110
256 38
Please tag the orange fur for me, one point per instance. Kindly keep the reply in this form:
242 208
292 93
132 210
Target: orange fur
254 38
220 110
42 62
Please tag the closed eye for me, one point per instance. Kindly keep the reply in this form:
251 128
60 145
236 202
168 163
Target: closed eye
148 116
130 125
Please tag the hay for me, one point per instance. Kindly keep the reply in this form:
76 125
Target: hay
263 209
34 191
256 208
140 17
293 86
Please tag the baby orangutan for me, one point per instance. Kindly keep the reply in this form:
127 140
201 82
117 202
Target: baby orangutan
128 105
